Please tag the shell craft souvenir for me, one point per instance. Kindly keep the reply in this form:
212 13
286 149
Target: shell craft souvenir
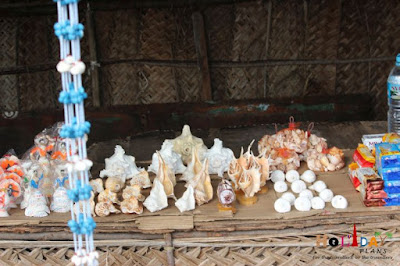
8 161
219 158
132 198
142 179
157 200
13 190
37 205
41 145
105 208
187 202
185 143
201 182
171 158
113 186
120 165
34 173
60 202
16 169
329 160
166 177
226 196
4 201
60 150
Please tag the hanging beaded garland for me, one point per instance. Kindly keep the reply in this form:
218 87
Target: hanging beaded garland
69 32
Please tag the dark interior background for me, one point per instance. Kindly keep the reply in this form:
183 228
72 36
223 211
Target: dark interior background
153 66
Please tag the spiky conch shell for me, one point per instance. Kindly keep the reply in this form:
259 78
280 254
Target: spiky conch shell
250 181
264 164
193 168
166 177
203 190
234 172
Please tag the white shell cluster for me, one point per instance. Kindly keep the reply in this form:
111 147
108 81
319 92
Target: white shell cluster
69 64
306 199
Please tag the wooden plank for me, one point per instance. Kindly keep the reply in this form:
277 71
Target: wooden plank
201 49
153 223
94 71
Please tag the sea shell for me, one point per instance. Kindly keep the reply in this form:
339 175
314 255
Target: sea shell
97 185
250 182
292 176
219 158
339 202
187 202
120 165
166 177
280 186
184 144
105 208
306 193
326 195
281 205
157 200
298 186
263 162
142 179
302 204
225 193
78 67
63 66
277 175
201 182
171 158
113 186
37 205
193 168
61 202
131 205
317 203
234 172
69 59
308 176
318 186
132 191
289 196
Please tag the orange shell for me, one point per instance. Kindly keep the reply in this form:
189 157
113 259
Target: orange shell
13 176
6 184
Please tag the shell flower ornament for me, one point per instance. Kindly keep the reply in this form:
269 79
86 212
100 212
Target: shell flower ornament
69 32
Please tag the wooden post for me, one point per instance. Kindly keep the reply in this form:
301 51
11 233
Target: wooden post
201 49
170 249
94 71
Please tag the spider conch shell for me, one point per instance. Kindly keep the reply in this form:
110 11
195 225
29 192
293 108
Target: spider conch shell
264 164
184 144
250 181
120 165
171 158
157 200
166 177
187 201
201 182
219 158
234 172
103 209
142 179
193 168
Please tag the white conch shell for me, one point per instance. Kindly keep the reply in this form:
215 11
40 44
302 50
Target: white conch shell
187 202
250 181
308 176
292 175
282 205
78 67
280 186
171 158
120 165
306 193
201 182
318 186
157 200
97 185
302 204
61 202
142 179
326 195
166 177
184 144
277 175
219 158
289 196
298 186
339 202
37 205
193 168
103 209
317 203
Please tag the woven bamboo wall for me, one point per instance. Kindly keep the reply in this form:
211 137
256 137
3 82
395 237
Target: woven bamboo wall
255 49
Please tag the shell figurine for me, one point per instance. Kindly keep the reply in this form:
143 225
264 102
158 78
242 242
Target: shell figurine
166 177
185 143
37 205
157 200
226 196
201 182
61 202
219 158
171 158
4 200
187 202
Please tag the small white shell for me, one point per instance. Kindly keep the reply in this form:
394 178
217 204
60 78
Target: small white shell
292 175
318 186
302 204
187 202
308 176
277 175
326 195
63 66
306 193
282 205
298 186
317 203
339 202
280 186
289 197
77 68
